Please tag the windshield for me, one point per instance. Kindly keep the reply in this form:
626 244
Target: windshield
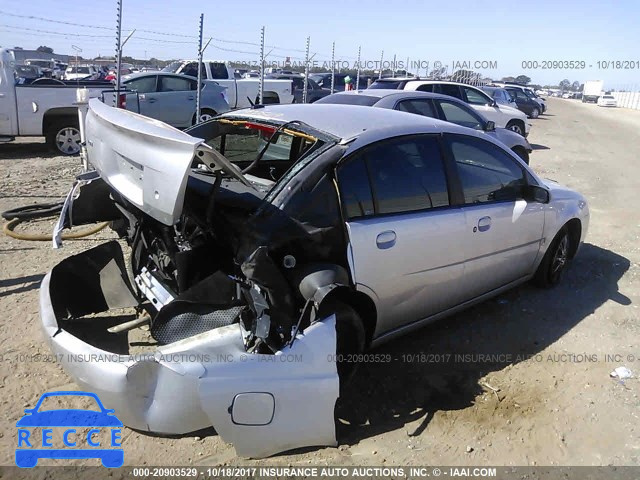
350 99
40 63
172 67
381 84
608 96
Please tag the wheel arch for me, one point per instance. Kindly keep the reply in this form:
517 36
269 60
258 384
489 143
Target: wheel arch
53 115
361 303
574 227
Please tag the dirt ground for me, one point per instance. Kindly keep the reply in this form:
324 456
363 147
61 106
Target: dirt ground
544 397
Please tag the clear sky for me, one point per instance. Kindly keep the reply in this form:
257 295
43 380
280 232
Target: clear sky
446 31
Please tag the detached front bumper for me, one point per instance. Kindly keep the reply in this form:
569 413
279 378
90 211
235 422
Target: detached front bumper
263 404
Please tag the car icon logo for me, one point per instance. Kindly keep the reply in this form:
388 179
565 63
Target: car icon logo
69 422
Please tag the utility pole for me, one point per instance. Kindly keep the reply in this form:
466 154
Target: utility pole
333 66
306 73
116 99
199 69
358 71
261 86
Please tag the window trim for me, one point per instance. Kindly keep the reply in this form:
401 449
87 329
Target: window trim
479 92
447 168
155 88
469 110
447 139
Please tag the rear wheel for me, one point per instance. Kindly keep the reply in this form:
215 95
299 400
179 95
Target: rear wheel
205 115
516 126
64 136
535 113
555 261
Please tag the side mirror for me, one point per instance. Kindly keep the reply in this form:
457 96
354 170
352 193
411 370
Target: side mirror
493 103
535 193
490 126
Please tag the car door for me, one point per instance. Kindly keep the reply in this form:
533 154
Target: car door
422 107
459 113
143 101
503 230
405 242
176 99
484 105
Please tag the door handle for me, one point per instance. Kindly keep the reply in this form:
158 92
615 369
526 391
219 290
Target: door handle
386 239
152 100
484 224
191 98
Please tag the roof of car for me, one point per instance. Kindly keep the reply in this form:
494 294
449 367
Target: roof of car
345 121
389 92
134 75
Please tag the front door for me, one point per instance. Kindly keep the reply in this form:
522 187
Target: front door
405 242
503 230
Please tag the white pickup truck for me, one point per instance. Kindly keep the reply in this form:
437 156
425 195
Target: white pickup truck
41 109
241 92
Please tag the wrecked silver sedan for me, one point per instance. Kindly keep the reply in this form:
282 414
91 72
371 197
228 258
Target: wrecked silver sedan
267 245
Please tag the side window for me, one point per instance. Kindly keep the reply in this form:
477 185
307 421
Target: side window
143 85
521 97
475 98
419 107
405 175
191 69
451 90
174 84
219 70
487 173
457 114
425 88
355 190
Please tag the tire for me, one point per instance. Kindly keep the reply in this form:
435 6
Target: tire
555 261
516 126
535 113
350 337
206 114
64 136
522 153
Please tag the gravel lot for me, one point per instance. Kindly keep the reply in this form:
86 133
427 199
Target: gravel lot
548 400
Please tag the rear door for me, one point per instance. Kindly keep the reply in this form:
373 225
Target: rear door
144 101
503 230
405 242
176 99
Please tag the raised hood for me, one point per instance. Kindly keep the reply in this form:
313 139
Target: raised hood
145 160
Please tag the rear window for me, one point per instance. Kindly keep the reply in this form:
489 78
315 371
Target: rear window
363 100
608 96
392 84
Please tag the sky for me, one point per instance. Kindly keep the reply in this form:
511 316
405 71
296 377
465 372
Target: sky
503 35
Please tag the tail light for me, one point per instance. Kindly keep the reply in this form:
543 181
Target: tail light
122 100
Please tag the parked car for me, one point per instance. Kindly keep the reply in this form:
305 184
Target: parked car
47 67
433 105
607 100
56 115
111 74
525 104
81 72
501 115
500 95
241 92
374 224
171 98
529 93
314 91
26 74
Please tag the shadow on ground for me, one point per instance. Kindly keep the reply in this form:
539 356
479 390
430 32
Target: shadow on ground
21 284
13 151
521 323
